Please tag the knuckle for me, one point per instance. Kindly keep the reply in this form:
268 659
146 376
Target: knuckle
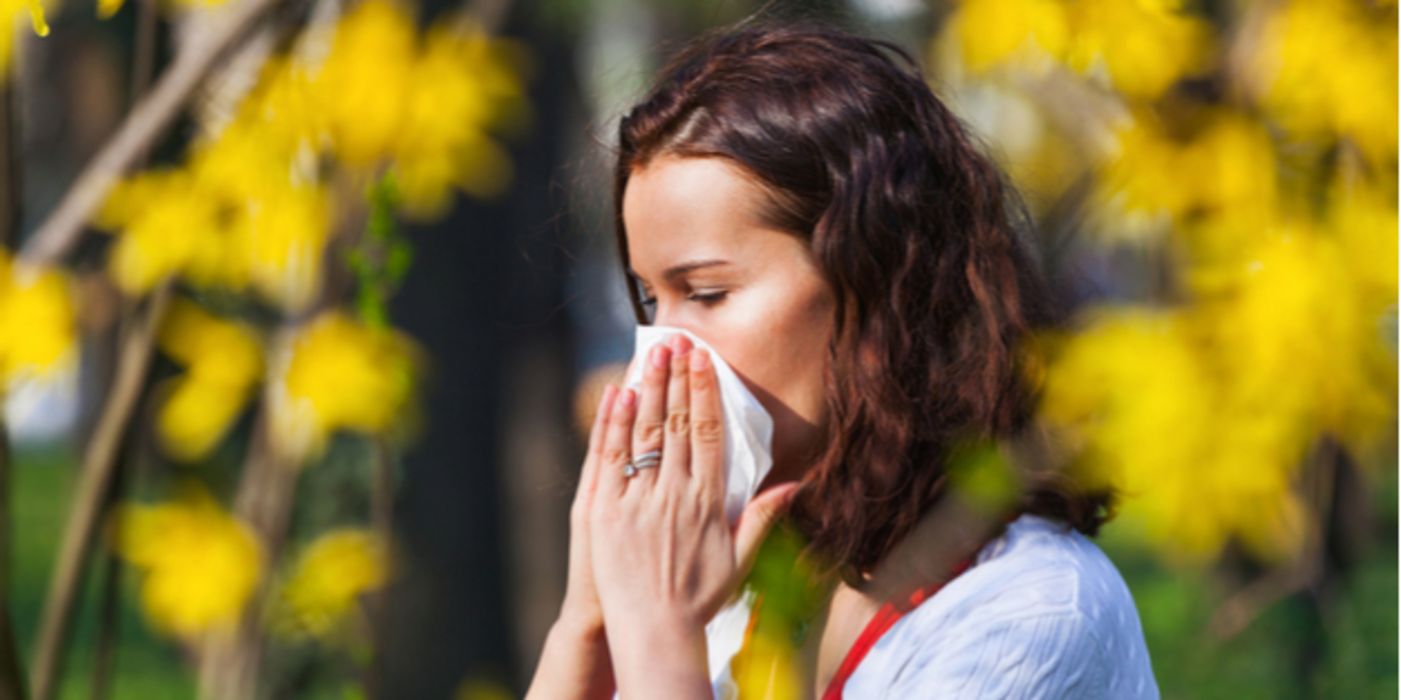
650 432
678 421
616 456
709 430
701 379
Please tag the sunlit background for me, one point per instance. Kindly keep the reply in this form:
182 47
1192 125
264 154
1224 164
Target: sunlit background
304 303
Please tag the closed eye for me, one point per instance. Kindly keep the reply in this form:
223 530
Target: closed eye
707 299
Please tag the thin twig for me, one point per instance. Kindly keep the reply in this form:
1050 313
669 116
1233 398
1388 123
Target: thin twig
229 665
11 678
142 126
93 483
109 620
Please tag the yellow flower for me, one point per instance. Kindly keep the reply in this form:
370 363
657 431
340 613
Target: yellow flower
1141 47
223 361
1329 67
283 105
363 86
425 111
164 217
282 238
1134 394
993 32
463 85
37 321
768 669
10 10
237 216
1203 415
1230 196
328 579
338 374
1144 46
1362 215
1300 344
200 565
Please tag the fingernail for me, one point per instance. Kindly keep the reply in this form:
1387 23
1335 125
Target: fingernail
700 359
680 344
659 356
629 397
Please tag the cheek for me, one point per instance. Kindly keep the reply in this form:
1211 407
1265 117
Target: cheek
784 355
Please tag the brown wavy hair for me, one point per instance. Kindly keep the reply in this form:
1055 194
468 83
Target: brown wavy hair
918 235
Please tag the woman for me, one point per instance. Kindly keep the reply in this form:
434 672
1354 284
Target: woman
806 205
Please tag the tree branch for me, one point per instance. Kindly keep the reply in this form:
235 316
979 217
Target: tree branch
143 125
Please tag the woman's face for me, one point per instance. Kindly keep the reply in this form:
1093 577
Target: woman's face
755 294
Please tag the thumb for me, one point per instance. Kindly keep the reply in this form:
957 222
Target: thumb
757 518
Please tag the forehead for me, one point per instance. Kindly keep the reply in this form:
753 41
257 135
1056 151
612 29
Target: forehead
687 207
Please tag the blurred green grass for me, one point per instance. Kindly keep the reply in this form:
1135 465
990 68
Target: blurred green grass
147 668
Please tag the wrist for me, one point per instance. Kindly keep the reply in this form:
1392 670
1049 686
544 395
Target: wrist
579 619
578 630
575 661
659 652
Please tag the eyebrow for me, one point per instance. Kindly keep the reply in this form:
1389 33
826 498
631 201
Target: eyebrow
681 269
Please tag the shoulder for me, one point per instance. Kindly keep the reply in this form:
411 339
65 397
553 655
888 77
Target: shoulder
1042 613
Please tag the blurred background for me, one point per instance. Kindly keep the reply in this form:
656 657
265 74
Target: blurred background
305 304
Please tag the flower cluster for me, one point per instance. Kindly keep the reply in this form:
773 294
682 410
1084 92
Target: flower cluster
1267 205
199 565
327 581
38 320
337 373
362 121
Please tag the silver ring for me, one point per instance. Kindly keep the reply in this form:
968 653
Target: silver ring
646 460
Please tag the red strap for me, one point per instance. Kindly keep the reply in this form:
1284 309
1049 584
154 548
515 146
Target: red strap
884 619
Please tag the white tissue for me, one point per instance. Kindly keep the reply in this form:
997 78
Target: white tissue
748 427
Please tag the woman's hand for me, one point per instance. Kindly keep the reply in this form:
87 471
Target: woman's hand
665 559
581 609
575 661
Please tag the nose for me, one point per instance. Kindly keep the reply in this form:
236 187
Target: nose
661 315
673 320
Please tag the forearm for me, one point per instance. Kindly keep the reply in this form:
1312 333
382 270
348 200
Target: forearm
657 659
573 664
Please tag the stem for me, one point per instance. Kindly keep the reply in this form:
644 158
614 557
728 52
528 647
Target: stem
109 619
229 664
96 477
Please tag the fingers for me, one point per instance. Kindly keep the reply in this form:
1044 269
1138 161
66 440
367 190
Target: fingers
755 521
617 447
707 426
651 409
676 448
588 476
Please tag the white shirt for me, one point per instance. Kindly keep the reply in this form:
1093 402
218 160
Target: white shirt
1042 613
